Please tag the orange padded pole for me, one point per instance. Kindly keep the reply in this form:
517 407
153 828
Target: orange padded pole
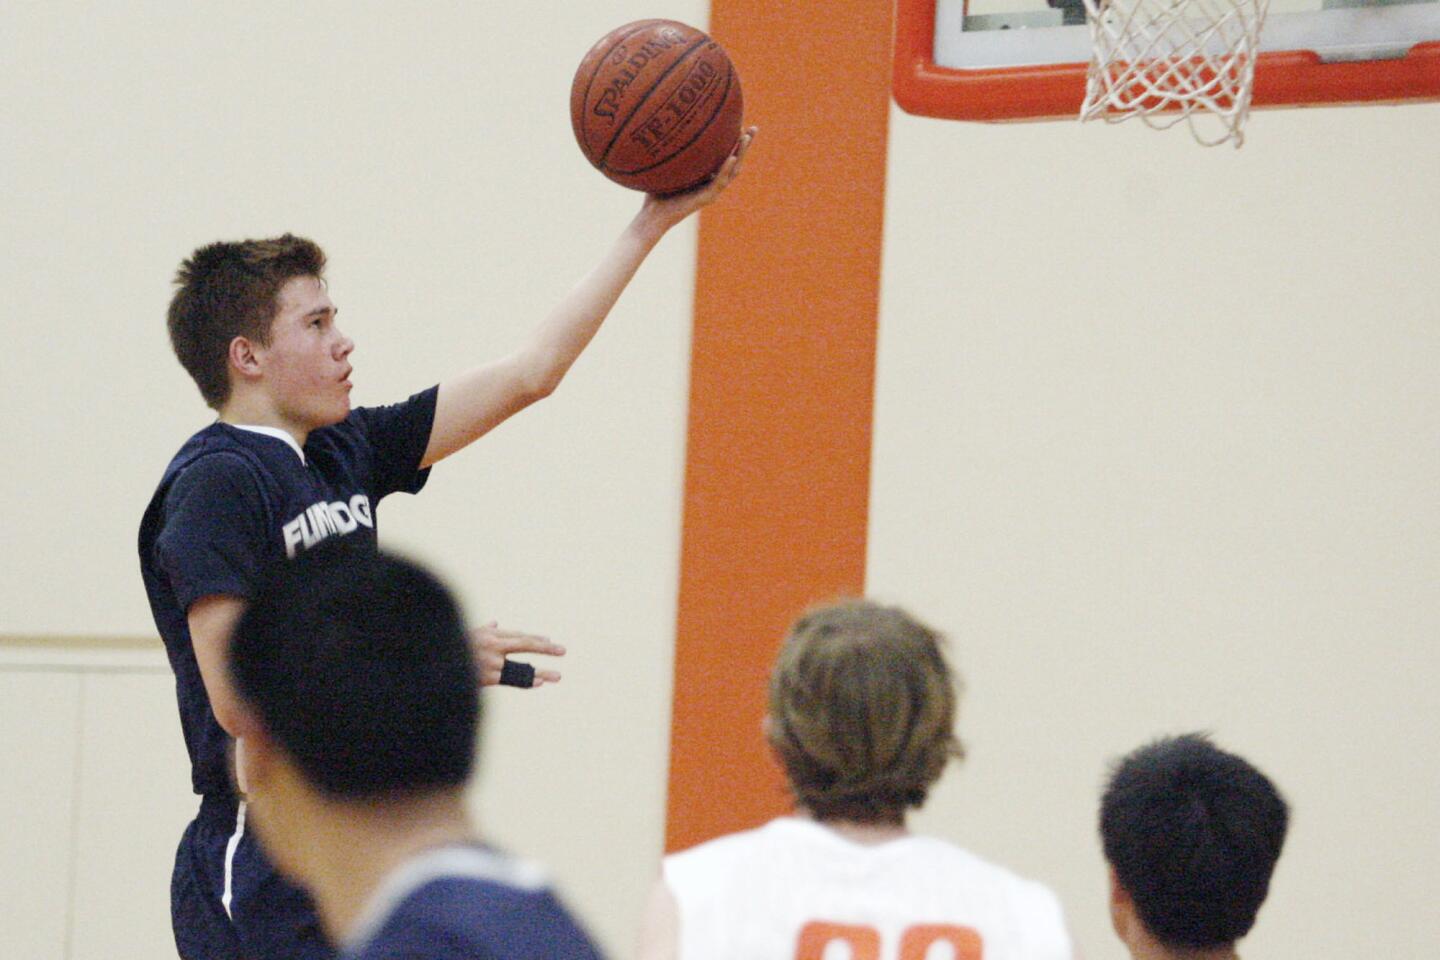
781 394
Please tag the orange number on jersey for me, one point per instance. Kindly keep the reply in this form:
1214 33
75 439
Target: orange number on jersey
864 942
816 936
964 942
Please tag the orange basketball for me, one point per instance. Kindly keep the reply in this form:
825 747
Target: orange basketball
656 106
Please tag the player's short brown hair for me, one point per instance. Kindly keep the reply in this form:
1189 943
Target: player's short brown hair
227 290
862 711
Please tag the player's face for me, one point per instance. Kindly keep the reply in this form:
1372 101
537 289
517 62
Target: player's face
307 362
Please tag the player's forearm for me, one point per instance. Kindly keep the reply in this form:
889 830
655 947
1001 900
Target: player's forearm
660 925
568 329
211 619
471 405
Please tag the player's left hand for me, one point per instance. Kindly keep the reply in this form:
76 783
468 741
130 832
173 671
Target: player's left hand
492 645
669 209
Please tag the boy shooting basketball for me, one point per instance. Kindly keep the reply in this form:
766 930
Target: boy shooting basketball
862 712
287 465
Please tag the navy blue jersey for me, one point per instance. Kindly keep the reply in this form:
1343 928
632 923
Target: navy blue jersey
467 903
233 500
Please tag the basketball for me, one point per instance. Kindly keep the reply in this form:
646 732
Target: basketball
656 106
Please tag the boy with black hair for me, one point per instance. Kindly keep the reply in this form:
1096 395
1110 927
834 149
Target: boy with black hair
1192 834
288 465
861 716
357 761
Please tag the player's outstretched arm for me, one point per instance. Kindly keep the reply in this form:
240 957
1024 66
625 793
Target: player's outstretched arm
474 403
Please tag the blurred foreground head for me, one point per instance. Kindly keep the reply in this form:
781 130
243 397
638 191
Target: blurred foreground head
1192 834
356 666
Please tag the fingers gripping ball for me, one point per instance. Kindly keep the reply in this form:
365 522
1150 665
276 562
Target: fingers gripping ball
656 106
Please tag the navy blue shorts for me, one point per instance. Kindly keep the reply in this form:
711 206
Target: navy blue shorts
268 917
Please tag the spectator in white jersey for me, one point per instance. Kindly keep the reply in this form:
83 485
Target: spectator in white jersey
1192 834
357 701
861 716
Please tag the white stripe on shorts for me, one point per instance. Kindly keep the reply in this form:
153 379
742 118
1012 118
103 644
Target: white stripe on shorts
230 858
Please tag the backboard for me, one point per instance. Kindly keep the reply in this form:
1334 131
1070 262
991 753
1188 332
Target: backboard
999 60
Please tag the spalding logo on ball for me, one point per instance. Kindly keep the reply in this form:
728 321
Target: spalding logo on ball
656 106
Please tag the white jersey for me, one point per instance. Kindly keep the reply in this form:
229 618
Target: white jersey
796 890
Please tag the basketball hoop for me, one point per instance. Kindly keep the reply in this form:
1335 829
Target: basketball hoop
1170 60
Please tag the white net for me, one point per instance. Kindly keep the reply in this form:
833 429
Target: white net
1170 60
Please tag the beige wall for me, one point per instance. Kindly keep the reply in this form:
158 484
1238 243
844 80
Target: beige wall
95 796
1147 482
1156 442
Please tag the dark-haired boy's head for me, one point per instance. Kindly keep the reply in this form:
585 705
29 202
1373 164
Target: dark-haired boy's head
357 666
862 712
227 290
1192 834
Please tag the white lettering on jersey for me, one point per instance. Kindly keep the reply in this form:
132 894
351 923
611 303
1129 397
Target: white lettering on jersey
321 520
360 506
343 518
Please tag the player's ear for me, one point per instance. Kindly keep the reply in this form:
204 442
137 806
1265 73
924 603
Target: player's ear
767 729
1122 907
243 357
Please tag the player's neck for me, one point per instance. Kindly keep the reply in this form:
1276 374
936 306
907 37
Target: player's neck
1146 948
254 409
354 847
866 834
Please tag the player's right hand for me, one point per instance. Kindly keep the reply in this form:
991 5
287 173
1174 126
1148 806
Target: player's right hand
491 645
674 207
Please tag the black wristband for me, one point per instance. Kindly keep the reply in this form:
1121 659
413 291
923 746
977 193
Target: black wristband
517 674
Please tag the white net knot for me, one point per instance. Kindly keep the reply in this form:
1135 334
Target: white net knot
1171 60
